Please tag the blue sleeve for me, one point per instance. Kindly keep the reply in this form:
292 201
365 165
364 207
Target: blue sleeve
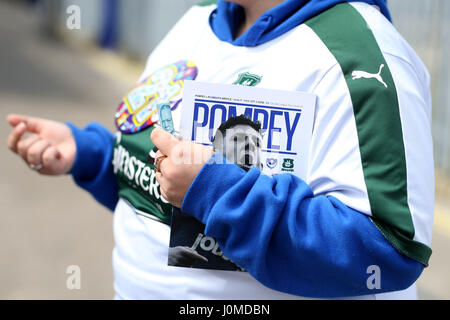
92 169
291 240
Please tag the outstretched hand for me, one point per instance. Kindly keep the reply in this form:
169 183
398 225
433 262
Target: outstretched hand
183 161
50 148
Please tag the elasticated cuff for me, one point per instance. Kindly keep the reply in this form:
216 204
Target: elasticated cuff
87 159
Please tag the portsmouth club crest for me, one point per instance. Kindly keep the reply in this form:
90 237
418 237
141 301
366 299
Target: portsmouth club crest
248 79
138 109
271 163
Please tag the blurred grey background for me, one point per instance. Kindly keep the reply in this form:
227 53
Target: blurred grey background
48 70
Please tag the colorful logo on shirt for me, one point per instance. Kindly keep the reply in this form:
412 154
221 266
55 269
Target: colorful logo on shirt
248 79
138 109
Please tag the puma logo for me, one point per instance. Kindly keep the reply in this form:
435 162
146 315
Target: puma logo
358 74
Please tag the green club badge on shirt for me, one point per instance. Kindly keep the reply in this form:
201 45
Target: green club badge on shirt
288 165
248 79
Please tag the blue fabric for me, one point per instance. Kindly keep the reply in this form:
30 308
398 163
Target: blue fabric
109 28
92 169
226 18
291 240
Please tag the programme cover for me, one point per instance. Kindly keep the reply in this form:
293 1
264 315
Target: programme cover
286 119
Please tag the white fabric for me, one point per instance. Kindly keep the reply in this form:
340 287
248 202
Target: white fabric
141 270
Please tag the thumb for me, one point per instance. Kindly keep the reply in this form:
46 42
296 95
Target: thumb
163 140
33 124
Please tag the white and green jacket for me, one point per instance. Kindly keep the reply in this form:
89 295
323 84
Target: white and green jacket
367 201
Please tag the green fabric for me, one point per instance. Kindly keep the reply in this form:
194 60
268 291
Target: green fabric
206 3
136 177
346 34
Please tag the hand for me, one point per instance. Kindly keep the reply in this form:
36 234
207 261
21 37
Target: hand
184 256
177 171
50 147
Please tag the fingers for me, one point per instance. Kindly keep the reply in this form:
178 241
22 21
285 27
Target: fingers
158 162
15 119
15 136
162 183
160 166
24 144
39 153
51 161
21 125
163 140
191 254
161 180
32 124
36 151
159 157
194 254
201 258
50 156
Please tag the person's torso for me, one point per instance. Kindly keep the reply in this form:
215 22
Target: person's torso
297 60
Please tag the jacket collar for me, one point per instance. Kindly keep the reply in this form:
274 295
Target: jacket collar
225 19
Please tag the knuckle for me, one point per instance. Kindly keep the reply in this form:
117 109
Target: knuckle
20 144
167 171
176 153
164 194
33 154
21 149
170 190
155 134
173 174
30 157
170 197
47 159
180 151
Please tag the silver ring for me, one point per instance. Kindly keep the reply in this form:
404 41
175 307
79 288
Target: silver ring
35 167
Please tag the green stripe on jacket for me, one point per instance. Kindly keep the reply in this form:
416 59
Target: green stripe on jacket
376 108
